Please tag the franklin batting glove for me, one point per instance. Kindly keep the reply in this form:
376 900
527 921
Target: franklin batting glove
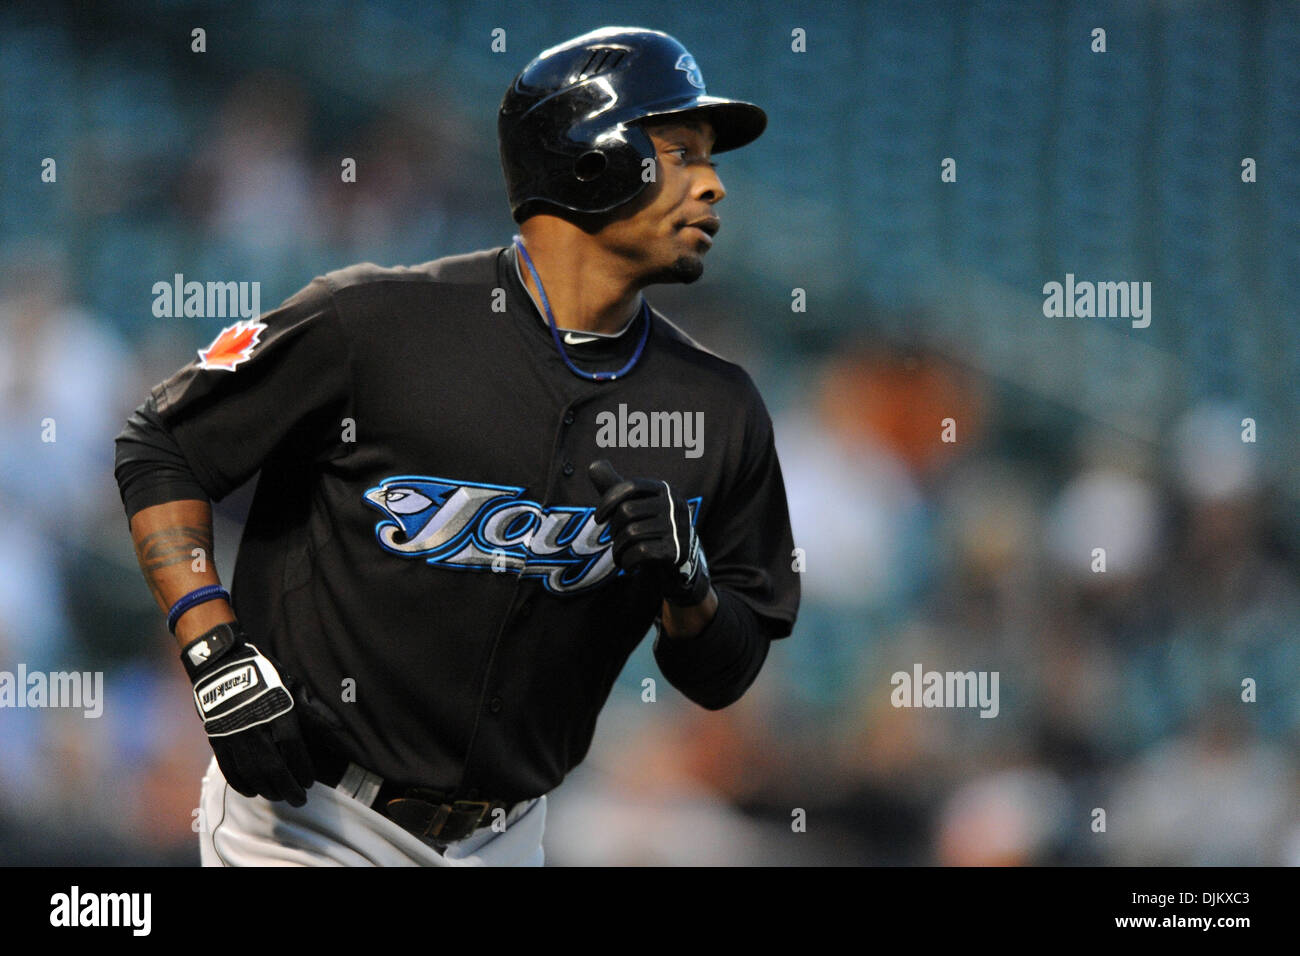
248 714
651 526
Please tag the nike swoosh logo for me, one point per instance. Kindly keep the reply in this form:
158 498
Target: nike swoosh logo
571 339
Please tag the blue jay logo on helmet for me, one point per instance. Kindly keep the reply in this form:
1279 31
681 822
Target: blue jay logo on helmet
686 63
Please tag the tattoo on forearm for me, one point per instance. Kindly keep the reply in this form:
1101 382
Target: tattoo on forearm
170 546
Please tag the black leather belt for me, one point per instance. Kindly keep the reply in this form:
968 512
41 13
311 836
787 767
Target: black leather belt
428 814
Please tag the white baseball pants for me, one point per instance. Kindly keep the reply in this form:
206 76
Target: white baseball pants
336 829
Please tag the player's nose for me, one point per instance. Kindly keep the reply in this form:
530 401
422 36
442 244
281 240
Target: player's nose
708 186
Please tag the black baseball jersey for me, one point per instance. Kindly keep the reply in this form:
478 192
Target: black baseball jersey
423 525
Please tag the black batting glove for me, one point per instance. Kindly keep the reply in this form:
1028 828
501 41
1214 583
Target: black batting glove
248 713
651 527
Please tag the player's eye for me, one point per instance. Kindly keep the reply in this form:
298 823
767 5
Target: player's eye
683 153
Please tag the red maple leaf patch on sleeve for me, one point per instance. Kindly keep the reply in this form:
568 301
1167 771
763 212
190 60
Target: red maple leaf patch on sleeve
233 345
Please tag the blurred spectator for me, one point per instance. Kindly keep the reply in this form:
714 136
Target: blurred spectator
1010 818
1214 797
253 177
854 461
63 378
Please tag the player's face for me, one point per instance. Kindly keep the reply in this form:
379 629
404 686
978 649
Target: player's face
671 224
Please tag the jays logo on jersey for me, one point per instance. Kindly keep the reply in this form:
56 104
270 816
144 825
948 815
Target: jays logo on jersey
479 527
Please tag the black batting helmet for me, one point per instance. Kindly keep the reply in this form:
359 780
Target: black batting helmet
568 129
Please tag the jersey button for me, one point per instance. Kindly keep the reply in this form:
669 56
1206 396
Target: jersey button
568 468
494 705
525 609
568 418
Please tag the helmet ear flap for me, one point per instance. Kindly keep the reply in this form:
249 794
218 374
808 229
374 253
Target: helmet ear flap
590 165
641 149
612 172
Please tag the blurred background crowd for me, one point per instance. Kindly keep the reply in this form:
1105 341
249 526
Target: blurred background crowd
1120 691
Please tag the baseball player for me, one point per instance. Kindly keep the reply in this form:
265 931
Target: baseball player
482 480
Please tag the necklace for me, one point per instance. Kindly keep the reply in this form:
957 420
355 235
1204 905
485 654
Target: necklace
555 331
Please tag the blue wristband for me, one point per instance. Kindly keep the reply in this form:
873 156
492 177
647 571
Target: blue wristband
209 592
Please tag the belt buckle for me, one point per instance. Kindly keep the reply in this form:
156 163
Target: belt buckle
463 818
427 815
417 813
467 806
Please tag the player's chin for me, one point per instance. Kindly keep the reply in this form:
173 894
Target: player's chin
685 268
